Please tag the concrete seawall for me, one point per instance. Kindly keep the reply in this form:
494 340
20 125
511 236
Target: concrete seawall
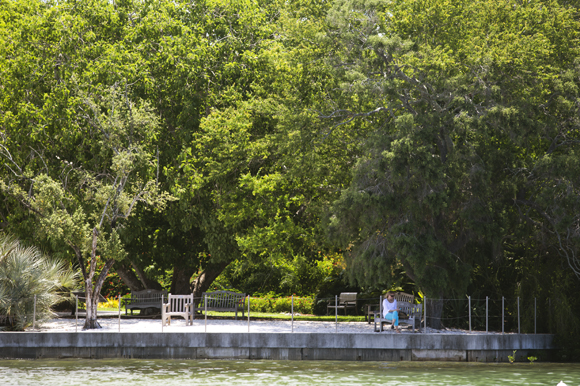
277 346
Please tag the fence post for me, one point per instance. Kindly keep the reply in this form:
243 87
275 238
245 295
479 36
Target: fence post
535 324
549 310
292 312
336 312
76 313
162 321
205 305
34 315
519 332
486 313
119 312
248 313
425 313
502 314
380 313
469 305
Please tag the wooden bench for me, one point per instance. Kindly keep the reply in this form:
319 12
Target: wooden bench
413 311
148 298
404 297
345 300
371 309
222 301
177 305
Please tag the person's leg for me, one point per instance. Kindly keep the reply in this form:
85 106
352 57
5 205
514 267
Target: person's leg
396 321
393 317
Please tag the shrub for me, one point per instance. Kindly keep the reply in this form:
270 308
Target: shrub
113 286
24 273
274 304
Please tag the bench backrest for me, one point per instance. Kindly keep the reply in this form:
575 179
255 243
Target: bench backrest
148 296
179 303
222 299
404 297
347 297
410 309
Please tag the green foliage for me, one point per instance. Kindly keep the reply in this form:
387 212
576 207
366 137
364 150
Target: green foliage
89 154
468 137
272 303
25 273
113 286
512 357
442 136
298 276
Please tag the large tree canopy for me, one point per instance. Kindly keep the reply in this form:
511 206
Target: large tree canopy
473 116
438 138
228 86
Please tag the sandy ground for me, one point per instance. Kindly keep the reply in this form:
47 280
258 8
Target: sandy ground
110 324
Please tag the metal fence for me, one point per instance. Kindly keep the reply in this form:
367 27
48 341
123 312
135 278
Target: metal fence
497 315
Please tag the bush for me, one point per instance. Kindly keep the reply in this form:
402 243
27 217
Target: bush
113 286
24 273
110 303
272 303
301 276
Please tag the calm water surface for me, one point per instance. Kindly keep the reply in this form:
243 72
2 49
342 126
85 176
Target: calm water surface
234 372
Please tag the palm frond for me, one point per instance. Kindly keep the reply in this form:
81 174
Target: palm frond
25 274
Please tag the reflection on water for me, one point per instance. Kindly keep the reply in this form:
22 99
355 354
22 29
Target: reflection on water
222 372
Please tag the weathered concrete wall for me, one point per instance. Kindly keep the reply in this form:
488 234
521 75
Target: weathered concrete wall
279 346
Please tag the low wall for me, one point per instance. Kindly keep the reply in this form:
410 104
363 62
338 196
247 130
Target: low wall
279 346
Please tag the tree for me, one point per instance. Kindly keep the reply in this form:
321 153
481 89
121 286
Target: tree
190 61
262 161
83 208
471 119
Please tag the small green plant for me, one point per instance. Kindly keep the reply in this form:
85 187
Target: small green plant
512 357
532 359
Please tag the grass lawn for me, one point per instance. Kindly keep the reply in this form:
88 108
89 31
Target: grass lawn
275 316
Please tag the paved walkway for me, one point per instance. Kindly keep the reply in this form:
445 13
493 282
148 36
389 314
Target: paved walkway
110 324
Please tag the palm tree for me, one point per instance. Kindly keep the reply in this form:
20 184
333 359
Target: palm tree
24 273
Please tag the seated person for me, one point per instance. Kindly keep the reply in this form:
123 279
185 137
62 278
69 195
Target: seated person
390 310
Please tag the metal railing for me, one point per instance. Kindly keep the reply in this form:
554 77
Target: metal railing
505 315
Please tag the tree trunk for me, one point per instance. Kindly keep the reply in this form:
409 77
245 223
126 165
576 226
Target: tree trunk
91 318
147 283
135 282
90 306
210 273
92 292
180 282
129 278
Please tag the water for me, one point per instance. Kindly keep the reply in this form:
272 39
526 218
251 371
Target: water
235 372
